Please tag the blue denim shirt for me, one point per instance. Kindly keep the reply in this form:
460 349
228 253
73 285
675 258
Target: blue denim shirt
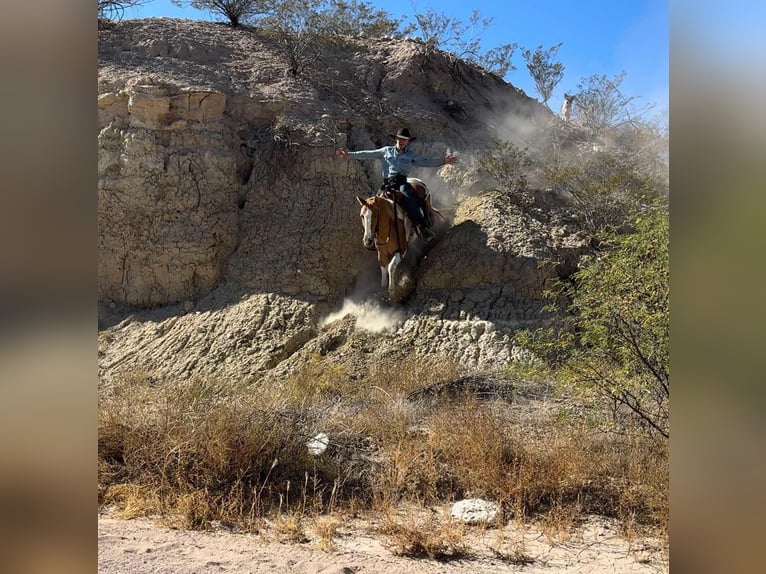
397 162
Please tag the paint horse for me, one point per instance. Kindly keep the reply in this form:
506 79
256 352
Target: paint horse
389 231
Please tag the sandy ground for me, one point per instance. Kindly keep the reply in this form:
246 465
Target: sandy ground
145 546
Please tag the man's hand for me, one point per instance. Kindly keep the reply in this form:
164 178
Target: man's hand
450 159
341 153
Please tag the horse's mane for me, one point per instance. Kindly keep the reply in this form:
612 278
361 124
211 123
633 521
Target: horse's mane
389 207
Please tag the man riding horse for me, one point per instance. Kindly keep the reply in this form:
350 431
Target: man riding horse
397 160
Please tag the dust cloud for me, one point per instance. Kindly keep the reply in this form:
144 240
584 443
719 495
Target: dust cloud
370 316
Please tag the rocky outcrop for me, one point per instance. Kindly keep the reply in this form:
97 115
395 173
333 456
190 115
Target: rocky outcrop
229 231
167 199
222 340
485 278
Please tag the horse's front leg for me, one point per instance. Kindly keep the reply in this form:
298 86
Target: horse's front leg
392 266
383 277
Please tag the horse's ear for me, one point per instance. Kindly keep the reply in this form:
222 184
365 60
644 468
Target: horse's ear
360 200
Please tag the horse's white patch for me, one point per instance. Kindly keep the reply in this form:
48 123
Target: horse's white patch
366 216
392 265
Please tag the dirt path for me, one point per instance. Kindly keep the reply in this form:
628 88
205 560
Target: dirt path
143 546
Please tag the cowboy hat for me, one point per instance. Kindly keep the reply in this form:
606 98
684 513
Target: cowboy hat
404 133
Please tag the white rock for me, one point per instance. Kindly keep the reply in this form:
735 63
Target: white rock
318 444
474 511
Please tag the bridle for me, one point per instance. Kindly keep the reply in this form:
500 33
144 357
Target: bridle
376 228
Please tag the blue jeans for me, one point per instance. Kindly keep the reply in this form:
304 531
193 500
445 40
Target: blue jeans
412 205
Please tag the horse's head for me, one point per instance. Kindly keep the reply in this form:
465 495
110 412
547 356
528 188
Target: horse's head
368 213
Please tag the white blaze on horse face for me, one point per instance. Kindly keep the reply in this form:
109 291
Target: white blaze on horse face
366 216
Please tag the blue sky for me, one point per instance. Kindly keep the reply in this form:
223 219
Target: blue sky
598 37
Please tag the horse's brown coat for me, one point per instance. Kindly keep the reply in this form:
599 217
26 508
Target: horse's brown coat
389 239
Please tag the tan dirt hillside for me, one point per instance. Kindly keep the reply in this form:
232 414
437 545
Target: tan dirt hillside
228 233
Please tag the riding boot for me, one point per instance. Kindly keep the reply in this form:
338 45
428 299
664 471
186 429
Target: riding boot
426 234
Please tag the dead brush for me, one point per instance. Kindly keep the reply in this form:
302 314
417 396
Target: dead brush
468 440
438 540
472 449
318 379
132 500
177 440
403 375
558 521
194 511
514 553
410 471
326 527
290 528
214 451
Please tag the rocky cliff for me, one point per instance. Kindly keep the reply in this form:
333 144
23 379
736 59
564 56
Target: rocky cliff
228 233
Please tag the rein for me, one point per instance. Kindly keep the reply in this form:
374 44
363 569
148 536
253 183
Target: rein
376 231
395 223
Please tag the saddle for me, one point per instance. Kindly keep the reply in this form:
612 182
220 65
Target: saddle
390 190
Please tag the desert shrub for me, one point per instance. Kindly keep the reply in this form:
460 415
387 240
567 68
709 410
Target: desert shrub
607 179
237 12
613 342
114 10
604 190
303 29
544 71
210 450
460 40
565 469
506 164
601 104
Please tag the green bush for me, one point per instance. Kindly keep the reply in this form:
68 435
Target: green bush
614 340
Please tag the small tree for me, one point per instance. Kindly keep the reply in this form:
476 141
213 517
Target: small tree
462 41
237 11
115 9
437 31
498 60
296 26
615 339
601 103
357 18
544 71
301 28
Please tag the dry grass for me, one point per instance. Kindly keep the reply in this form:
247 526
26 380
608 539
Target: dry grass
432 538
326 528
208 451
403 375
510 552
290 528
